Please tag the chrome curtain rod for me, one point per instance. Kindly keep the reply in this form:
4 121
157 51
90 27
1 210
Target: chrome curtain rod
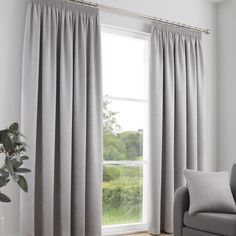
139 15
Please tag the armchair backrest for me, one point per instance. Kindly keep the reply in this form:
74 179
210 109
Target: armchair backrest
233 181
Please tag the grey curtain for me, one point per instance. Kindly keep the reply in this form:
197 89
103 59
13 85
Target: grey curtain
62 118
177 139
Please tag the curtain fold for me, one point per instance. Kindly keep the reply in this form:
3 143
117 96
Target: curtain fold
62 118
177 133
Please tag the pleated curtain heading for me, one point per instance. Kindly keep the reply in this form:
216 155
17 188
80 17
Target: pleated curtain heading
62 118
177 119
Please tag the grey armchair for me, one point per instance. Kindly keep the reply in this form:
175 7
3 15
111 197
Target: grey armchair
202 224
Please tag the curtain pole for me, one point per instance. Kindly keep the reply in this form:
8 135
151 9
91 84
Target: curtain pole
139 15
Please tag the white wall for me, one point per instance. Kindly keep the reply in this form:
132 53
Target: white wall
226 13
12 15
200 13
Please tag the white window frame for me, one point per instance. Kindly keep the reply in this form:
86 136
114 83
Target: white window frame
123 229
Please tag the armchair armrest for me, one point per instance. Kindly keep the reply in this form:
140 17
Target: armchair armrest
233 181
181 205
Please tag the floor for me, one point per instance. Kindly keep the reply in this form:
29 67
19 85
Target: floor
144 234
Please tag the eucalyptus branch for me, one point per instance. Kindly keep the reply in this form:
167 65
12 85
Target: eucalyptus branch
13 149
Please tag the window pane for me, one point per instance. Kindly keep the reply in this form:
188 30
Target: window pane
124 119
122 194
124 123
124 62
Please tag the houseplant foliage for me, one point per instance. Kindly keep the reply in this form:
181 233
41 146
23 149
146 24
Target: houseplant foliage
14 151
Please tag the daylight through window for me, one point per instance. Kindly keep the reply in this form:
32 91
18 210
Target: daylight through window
125 122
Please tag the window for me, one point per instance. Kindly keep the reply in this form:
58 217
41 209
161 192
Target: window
125 120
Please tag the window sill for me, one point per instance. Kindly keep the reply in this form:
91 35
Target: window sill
115 230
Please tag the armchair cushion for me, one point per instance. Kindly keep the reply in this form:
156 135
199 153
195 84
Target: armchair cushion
216 223
209 192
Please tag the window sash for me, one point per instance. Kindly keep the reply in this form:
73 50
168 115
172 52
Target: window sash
124 162
114 230
123 229
125 99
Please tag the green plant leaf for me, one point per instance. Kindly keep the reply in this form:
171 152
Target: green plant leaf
10 169
2 135
17 141
24 158
22 170
3 181
23 183
8 144
4 173
15 163
14 127
4 198
9 165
